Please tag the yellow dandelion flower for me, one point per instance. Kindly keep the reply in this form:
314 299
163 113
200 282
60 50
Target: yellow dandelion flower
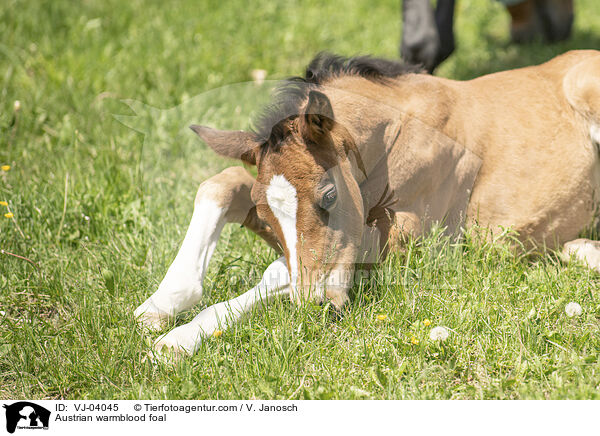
3 203
9 215
381 317
218 333
5 167
426 323
414 341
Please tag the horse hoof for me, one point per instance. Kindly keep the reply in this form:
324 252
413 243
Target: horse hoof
153 322
170 348
151 317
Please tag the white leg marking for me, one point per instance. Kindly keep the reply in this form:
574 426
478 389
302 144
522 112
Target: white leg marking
282 199
595 134
584 250
187 338
182 286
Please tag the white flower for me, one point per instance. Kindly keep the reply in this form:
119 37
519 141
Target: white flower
259 76
573 309
17 106
439 334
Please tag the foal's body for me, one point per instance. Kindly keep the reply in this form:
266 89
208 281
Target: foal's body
534 130
513 149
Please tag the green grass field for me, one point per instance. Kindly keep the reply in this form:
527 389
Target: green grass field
101 209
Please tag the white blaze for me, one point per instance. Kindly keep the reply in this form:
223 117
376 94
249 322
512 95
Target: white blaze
282 199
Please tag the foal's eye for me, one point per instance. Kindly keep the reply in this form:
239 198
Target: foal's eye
329 197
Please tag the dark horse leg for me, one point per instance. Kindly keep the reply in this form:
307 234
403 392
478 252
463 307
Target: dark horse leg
444 19
552 19
557 18
427 36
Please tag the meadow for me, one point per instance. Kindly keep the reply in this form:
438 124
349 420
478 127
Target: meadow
96 211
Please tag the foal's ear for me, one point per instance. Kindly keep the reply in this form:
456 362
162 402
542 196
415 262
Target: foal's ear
318 116
230 143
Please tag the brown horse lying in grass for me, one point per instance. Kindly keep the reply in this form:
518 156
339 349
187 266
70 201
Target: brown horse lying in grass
362 151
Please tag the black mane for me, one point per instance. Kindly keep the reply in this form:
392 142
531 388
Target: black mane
290 95
326 66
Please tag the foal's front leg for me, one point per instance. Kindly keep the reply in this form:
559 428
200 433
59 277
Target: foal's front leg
187 338
222 199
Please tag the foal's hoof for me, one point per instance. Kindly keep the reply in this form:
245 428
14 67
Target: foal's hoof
166 354
171 347
584 250
151 317
153 322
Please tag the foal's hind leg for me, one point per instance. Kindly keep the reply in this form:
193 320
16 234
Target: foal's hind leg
582 89
224 198
585 250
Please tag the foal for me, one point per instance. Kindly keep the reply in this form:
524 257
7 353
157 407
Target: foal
362 151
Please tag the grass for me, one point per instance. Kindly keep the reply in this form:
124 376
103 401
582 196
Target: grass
101 209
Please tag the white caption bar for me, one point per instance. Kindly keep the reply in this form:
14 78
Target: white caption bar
88 418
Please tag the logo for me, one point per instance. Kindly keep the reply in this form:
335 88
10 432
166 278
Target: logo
26 415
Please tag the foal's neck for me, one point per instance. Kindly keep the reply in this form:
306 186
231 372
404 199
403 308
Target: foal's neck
371 113
405 132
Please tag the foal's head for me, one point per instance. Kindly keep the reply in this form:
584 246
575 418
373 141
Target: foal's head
306 192
307 188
